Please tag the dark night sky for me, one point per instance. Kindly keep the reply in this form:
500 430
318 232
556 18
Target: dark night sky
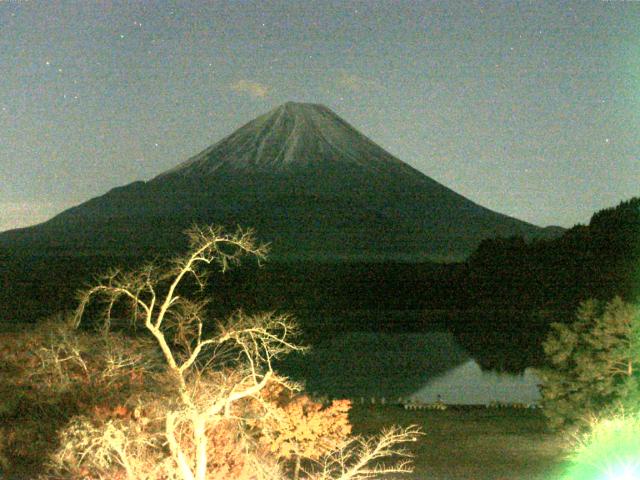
528 108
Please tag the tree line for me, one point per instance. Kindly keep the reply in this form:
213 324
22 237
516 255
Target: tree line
505 296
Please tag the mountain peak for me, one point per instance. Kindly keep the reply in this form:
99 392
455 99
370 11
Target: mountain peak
313 113
292 137
302 106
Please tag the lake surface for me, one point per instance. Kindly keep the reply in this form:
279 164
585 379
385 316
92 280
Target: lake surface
423 366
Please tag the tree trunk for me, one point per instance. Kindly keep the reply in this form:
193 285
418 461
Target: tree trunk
200 438
296 470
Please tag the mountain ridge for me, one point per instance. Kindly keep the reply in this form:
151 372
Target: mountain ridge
305 179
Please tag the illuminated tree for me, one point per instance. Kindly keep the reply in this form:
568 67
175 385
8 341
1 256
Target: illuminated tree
301 428
593 363
206 409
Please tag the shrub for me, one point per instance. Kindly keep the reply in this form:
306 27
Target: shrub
53 373
299 428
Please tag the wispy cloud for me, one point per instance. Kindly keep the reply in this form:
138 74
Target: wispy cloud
357 83
251 88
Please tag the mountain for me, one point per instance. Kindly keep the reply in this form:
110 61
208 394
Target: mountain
305 179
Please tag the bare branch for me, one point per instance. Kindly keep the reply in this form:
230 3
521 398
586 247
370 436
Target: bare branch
359 459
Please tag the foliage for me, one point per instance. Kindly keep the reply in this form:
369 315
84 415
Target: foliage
593 362
609 450
16 360
194 398
52 373
299 428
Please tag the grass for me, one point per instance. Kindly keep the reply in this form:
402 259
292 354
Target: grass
473 443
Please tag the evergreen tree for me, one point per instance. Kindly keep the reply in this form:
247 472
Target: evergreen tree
592 363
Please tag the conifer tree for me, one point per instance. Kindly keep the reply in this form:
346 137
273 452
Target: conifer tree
592 363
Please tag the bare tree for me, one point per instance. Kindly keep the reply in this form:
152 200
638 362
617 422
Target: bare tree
205 380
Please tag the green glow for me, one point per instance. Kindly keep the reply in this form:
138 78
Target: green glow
630 471
610 451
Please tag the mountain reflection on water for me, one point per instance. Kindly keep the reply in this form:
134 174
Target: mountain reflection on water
424 366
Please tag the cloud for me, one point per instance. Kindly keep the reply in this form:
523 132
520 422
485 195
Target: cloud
357 83
253 89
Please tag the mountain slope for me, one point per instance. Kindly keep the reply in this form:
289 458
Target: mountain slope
305 179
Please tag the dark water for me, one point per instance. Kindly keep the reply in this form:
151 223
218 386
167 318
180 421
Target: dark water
412 350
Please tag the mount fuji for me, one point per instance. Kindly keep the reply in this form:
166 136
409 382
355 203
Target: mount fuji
306 180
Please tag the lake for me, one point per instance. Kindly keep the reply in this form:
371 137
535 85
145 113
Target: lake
422 365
